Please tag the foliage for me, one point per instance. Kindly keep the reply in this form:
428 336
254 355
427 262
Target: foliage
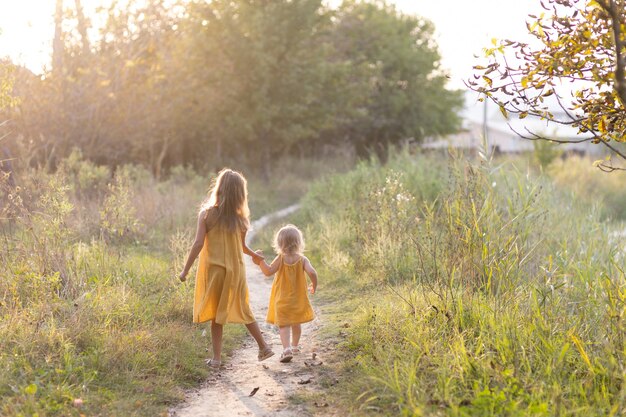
274 74
580 43
240 82
545 153
398 65
6 85
87 177
117 217
476 299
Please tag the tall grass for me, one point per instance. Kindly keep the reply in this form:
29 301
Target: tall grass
587 182
487 291
92 317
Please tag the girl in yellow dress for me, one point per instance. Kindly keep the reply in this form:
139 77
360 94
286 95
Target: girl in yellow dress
221 292
289 303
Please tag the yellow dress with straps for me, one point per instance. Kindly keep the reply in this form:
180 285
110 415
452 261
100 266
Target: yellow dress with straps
221 292
289 300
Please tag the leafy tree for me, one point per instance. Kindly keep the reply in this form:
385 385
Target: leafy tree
580 47
396 61
271 73
231 81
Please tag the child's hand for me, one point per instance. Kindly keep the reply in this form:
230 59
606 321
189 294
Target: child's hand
312 289
259 257
183 276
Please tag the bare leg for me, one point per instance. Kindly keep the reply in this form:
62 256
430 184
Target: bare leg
255 331
216 340
285 335
297 331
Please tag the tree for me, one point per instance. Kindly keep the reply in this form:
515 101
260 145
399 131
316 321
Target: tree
231 81
396 62
268 65
581 48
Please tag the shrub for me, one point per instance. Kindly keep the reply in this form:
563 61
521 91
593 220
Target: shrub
118 219
84 177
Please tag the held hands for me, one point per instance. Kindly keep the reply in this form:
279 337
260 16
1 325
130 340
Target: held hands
258 256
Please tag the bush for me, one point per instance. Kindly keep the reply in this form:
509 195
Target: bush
84 177
118 220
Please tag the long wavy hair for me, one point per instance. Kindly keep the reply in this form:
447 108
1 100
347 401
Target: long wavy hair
228 199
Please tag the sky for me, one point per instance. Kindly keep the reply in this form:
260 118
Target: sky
463 28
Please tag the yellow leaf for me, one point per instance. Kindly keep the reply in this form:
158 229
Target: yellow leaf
524 82
488 80
504 112
31 389
581 349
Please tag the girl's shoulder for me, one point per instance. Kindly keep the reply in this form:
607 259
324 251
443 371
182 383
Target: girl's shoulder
210 217
291 260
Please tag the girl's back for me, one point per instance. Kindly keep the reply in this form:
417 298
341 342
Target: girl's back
222 247
221 292
289 302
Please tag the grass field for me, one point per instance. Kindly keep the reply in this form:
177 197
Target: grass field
469 289
93 319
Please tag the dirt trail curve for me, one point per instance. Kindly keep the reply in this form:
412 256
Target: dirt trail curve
227 391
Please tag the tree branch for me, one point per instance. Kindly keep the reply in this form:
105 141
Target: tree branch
613 11
535 136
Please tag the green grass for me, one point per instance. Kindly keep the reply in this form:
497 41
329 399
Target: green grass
93 319
123 345
471 289
587 182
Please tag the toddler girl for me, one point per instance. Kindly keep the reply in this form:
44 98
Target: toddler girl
289 304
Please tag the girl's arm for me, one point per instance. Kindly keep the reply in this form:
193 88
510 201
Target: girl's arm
312 273
270 269
196 247
256 258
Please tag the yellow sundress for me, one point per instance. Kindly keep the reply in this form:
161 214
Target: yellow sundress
289 300
221 291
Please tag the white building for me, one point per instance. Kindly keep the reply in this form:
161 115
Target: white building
485 117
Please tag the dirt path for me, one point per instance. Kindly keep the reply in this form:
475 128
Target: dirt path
227 391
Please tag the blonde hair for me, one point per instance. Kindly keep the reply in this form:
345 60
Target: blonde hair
228 198
289 240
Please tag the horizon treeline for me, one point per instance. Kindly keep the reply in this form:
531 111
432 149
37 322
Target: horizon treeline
165 83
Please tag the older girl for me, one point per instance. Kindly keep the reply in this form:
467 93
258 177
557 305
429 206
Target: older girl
221 292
